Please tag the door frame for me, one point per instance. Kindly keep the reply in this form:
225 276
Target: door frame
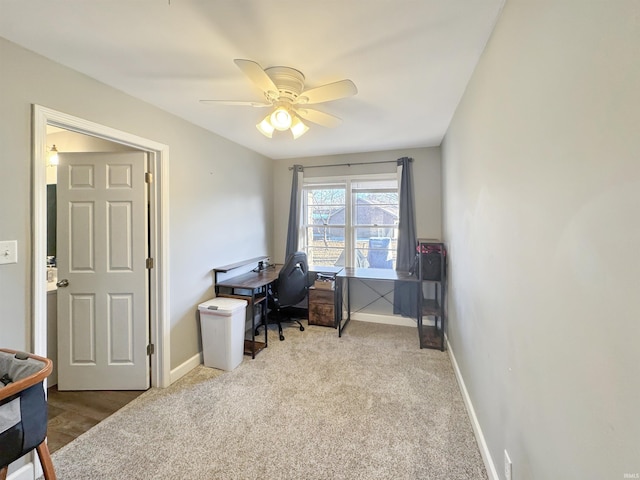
158 231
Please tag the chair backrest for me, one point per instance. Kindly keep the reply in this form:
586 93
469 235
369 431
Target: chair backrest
293 280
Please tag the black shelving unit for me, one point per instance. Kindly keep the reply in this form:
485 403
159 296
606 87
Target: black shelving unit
432 264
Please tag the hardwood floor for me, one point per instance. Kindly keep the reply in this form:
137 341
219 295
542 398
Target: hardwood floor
73 413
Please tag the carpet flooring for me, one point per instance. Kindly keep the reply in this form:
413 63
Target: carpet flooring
369 405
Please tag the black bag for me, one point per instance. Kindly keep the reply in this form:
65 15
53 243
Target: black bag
431 266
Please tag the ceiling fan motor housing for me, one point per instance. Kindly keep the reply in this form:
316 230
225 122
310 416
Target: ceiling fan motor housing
290 83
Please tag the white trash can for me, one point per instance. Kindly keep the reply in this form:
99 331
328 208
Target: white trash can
222 326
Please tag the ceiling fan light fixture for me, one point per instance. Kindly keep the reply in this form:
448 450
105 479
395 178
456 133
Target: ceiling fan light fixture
284 92
265 127
298 128
281 119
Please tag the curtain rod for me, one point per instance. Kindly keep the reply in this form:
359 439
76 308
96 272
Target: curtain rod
348 164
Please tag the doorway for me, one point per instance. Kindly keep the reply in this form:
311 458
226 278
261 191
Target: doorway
86 147
158 155
96 372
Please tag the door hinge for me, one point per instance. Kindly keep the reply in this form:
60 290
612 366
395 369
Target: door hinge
148 177
149 263
151 349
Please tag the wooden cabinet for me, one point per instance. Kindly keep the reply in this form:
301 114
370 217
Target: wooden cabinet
322 307
432 267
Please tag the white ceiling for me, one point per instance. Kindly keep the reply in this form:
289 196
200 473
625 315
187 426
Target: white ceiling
410 59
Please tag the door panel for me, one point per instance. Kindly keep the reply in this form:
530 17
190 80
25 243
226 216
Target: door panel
81 240
83 329
103 327
119 237
121 328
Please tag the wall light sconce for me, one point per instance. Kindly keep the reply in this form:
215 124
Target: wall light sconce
53 156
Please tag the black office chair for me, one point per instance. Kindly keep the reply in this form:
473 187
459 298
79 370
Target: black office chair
290 288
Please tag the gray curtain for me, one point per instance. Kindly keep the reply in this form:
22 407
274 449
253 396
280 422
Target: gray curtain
405 299
294 214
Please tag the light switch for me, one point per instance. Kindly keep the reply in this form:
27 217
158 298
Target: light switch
9 252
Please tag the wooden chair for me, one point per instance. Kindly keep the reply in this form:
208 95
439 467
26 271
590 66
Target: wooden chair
24 424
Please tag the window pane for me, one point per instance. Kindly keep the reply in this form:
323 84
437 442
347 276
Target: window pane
365 233
328 257
325 196
380 208
325 234
325 215
379 251
382 198
367 214
326 248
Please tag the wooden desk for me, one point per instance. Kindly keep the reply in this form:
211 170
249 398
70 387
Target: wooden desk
376 274
254 287
256 291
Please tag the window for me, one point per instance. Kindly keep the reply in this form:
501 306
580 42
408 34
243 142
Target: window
351 221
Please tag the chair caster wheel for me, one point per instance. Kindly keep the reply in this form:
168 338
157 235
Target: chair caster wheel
281 337
301 328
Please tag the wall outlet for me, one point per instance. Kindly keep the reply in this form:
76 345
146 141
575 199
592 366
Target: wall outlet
507 466
9 251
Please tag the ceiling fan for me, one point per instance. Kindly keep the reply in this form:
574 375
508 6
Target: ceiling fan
284 92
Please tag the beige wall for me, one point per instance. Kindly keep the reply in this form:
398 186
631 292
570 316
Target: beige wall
542 218
221 196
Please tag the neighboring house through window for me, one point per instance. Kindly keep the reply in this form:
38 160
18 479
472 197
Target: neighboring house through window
351 221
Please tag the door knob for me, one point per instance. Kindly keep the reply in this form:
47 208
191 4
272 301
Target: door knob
62 283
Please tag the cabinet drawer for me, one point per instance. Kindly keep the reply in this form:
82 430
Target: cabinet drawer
317 295
321 314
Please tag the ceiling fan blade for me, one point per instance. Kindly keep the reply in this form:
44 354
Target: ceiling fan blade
257 75
235 102
328 92
321 118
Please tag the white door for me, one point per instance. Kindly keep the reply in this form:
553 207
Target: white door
103 327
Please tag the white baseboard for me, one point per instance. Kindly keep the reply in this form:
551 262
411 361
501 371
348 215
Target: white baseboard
181 370
477 430
388 319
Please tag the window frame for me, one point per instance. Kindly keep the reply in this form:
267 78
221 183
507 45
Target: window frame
350 229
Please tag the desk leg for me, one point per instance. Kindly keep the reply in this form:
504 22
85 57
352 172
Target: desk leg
263 317
419 311
338 304
341 327
253 324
